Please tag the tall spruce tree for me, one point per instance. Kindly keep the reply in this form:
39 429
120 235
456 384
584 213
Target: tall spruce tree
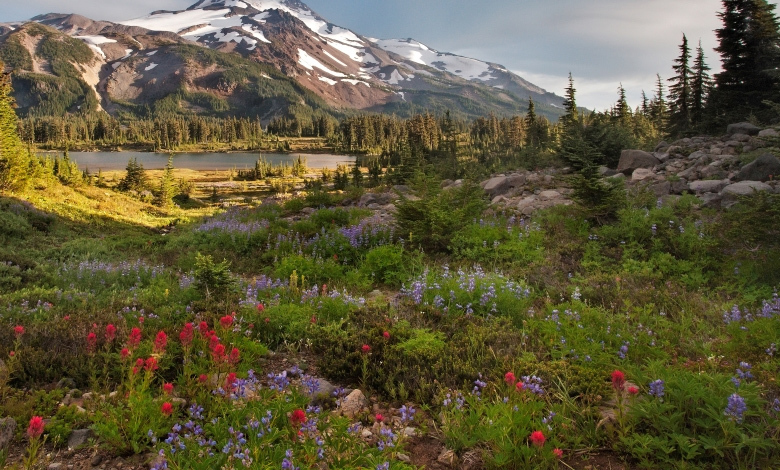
659 112
622 109
680 95
14 160
167 186
701 85
749 46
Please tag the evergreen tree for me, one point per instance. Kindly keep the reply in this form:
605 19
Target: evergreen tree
570 105
659 112
14 162
700 86
622 109
167 186
680 91
749 46
135 178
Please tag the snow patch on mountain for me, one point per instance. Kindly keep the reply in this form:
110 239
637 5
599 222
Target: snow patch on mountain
419 53
310 63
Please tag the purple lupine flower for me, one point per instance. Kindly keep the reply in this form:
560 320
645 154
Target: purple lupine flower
657 388
736 407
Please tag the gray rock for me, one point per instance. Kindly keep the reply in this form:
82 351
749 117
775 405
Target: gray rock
732 192
7 430
515 181
549 195
678 187
711 200
768 133
697 155
740 137
630 160
707 186
662 157
712 171
526 202
353 404
662 145
445 183
55 466
497 200
641 174
661 189
497 185
760 169
367 199
742 128
66 382
604 171
448 458
78 438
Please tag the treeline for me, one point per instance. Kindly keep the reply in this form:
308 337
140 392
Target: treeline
163 133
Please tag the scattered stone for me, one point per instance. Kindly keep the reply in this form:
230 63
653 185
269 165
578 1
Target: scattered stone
661 189
742 128
353 404
641 174
403 457
768 133
97 458
707 186
549 195
448 457
740 137
605 171
7 430
662 145
366 434
410 431
761 169
55 466
78 438
630 160
713 200
66 382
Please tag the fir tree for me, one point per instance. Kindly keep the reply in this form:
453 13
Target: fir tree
167 186
680 91
700 86
570 105
13 159
659 112
622 110
749 46
135 178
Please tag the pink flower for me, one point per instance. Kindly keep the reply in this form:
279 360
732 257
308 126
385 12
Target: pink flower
537 438
509 378
166 409
35 429
379 417
186 334
91 342
110 332
235 356
203 327
618 380
124 354
226 321
167 388
633 390
386 334
298 417
203 378
558 453
230 380
365 349
218 353
66 317
135 338
12 353
260 307
160 342
139 363
18 330
519 386
151 364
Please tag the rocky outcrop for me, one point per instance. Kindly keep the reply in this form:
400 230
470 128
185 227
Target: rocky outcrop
631 160
742 128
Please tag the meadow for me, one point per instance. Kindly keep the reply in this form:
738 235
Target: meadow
229 331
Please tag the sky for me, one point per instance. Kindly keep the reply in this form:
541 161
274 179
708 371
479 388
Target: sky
602 43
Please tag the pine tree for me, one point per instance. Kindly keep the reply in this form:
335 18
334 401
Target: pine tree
749 46
14 161
622 109
700 86
680 91
135 178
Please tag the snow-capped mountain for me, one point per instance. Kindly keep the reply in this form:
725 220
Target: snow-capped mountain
345 69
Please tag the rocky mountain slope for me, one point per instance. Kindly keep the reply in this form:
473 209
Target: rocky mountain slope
137 62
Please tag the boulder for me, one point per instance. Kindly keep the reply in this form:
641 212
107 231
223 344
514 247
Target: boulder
662 145
742 128
760 169
661 189
732 192
78 438
604 171
7 430
641 174
353 404
712 200
515 181
768 133
740 137
707 186
678 187
497 185
549 195
630 160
